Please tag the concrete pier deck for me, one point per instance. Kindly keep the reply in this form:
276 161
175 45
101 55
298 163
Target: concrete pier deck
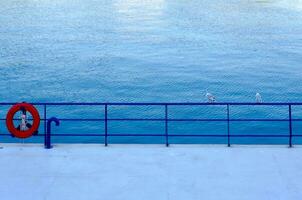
140 172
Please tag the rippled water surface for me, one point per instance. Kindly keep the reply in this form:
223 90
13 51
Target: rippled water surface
150 51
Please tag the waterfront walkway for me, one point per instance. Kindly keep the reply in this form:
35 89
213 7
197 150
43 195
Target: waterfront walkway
141 172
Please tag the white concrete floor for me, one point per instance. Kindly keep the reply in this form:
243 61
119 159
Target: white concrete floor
139 172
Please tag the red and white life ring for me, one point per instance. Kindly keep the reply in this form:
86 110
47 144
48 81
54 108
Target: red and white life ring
10 120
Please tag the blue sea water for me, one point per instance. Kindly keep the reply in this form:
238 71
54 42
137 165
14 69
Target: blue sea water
153 51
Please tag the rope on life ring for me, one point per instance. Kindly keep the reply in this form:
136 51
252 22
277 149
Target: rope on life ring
10 120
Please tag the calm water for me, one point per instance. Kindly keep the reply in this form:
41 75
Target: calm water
152 51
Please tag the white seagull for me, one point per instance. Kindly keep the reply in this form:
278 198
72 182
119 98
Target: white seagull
258 98
211 98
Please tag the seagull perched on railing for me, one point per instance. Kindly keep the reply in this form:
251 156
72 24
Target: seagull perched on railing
211 98
258 98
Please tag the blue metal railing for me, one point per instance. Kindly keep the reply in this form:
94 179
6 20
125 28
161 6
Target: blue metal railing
47 121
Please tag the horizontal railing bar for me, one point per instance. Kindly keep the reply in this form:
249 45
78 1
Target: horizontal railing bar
64 119
134 119
231 120
197 135
260 120
253 135
75 119
191 120
176 135
129 135
150 119
173 135
163 103
67 134
223 135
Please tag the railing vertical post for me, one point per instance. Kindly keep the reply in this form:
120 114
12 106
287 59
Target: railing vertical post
228 115
290 124
166 125
45 126
106 125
